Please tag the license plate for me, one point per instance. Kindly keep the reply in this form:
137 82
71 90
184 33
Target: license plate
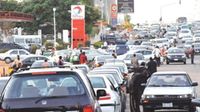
167 105
175 59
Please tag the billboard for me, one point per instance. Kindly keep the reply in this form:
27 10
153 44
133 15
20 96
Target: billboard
125 6
77 11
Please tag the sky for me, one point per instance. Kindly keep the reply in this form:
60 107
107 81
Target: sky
149 11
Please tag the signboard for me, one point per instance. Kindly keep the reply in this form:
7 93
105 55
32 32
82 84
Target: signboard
77 11
125 6
114 15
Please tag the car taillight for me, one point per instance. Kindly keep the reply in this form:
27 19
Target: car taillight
88 108
107 97
1 110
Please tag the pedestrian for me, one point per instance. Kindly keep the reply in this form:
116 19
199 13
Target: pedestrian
45 64
60 61
17 63
156 53
151 66
192 53
136 89
83 58
135 63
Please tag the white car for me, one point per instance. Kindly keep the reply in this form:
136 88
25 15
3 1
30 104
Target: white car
11 55
184 32
169 90
111 102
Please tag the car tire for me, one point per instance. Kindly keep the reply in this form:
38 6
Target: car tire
184 62
7 60
148 110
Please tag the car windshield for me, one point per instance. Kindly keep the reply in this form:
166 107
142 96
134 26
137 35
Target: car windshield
97 82
130 56
169 80
64 84
175 51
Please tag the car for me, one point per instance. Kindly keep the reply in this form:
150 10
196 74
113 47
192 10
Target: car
38 64
50 90
172 90
100 60
115 80
3 81
121 49
111 102
184 32
28 61
11 55
128 58
196 47
175 54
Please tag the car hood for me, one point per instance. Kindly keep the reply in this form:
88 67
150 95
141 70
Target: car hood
168 90
172 54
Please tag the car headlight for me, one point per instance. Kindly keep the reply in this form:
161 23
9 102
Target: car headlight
183 56
185 96
147 96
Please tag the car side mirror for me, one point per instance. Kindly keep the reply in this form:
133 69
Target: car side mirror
100 93
195 84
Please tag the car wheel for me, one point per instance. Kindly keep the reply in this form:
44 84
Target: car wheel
147 110
184 62
7 60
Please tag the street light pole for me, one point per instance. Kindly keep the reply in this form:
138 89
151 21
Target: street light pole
54 24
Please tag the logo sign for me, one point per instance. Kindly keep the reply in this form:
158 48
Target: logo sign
125 6
77 11
114 10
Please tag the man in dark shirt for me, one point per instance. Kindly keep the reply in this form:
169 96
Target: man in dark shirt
151 66
192 54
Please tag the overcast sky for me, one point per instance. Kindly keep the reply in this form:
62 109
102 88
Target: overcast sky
151 10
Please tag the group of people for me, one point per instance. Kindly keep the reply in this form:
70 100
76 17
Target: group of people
141 74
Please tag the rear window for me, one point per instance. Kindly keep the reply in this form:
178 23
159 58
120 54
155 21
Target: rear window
97 82
64 84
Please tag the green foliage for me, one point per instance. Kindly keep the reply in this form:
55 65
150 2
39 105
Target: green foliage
33 49
42 10
48 45
98 44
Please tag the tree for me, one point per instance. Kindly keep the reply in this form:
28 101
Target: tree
42 10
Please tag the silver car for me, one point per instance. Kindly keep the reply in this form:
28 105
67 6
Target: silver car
169 90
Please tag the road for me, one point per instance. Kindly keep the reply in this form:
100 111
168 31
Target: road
192 69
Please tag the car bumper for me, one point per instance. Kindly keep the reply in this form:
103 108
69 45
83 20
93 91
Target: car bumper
110 107
176 59
167 103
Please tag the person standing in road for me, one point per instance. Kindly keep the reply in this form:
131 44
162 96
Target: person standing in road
83 58
114 54
135 63
156 53
17 63
45 64
192 52
60 61
151 66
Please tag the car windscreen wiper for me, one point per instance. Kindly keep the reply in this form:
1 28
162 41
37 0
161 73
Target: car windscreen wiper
154 85
169 85
48 97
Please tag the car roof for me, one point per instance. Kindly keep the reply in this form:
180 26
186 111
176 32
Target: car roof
170 72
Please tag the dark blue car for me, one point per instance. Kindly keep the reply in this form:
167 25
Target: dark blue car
121 49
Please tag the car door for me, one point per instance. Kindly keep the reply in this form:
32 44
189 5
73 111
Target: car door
13 54
29 61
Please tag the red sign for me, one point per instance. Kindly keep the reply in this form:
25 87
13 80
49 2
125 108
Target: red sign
114 10
78 33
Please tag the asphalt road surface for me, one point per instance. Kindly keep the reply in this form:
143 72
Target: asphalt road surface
192 69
